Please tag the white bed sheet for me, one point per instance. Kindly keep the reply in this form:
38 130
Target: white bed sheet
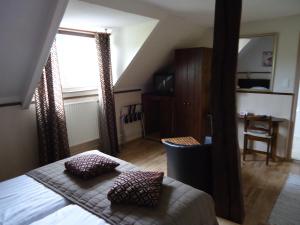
71 215
23 201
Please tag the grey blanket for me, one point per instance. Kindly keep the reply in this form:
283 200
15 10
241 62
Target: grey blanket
179 204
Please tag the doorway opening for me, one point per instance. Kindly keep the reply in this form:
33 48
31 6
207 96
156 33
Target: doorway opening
296 139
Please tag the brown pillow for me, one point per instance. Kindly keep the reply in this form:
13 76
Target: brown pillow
137 187
91 165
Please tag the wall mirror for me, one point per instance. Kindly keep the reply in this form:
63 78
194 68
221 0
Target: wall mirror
256 62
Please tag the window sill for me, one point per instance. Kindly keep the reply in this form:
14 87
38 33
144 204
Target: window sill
80 94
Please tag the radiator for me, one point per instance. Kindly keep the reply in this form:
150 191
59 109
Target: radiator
82 121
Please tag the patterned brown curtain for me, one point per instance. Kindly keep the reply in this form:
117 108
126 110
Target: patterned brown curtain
51 123
107 117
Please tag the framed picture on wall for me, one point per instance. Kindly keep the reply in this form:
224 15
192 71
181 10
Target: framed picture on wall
267 58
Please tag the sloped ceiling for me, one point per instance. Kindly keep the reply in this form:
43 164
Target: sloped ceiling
27 31
181 24
128 31
170 33
28 28
95 17
202 12
126 42
243 42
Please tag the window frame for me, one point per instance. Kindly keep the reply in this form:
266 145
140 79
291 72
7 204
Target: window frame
79 91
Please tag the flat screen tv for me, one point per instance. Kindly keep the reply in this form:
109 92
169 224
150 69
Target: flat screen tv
164 84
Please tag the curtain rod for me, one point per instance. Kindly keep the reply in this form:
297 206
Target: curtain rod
78 31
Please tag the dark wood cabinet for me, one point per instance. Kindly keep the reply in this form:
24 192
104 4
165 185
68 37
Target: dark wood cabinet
158 115
192 84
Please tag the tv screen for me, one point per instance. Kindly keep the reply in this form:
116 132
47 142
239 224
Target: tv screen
164 84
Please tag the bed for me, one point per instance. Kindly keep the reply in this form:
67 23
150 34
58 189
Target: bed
47 195
23 201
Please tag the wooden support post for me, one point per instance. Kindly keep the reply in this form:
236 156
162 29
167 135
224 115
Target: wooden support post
227 187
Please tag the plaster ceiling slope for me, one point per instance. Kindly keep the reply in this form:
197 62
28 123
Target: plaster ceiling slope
27 31
137 7
128 31
202 11
87 16
180 21
170 33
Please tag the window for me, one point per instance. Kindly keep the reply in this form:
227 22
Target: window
77 59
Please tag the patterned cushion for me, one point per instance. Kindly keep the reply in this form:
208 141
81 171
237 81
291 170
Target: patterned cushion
91 165
137 187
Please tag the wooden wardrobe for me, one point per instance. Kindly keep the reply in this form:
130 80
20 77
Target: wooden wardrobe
192 88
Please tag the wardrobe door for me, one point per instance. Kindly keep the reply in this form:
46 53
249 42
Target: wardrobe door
181 124
194 93
205 90
191 91
190 88
166 117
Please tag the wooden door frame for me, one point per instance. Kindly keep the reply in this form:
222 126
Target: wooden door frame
294 105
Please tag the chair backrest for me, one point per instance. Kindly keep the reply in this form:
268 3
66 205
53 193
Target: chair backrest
190 164
258 123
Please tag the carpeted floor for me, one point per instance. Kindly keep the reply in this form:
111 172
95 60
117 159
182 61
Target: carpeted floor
287 208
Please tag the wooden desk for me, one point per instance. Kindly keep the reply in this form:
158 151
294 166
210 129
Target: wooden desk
274 119
275 125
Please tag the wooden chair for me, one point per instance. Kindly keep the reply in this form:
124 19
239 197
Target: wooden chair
258 128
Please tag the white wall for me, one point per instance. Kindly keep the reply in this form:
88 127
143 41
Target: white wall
169 34
129 131
125 43
18 141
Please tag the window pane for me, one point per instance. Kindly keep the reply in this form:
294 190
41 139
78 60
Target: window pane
78 66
